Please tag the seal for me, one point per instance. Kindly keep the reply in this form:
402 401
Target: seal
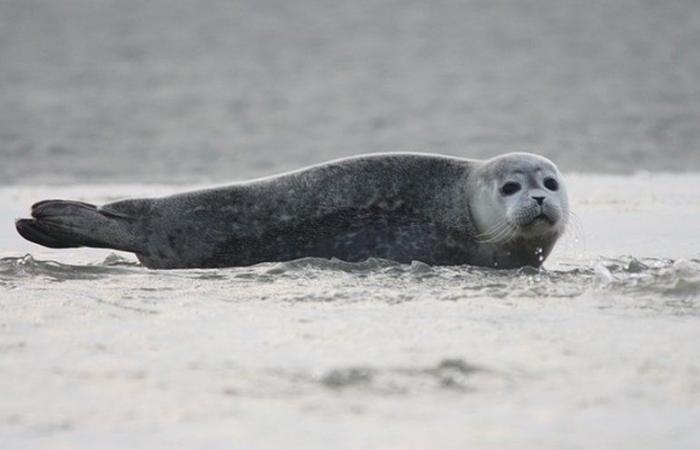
504 212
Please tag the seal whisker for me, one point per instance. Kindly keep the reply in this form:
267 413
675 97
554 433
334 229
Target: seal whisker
492 232
574 229
512 232
504 234
496 238
573 225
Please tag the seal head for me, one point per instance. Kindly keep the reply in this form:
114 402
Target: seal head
518 202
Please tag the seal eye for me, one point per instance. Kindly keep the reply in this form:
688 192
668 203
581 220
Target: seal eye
551 184
510 188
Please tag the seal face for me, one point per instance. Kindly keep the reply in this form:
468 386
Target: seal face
519 202
504 212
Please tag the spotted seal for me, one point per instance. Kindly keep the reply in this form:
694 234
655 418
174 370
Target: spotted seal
504 212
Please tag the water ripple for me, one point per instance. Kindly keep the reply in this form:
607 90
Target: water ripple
314 279
452 374
26 267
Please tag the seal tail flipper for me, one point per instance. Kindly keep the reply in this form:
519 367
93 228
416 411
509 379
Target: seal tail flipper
66 224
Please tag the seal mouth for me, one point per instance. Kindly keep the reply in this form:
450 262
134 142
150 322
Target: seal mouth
542 218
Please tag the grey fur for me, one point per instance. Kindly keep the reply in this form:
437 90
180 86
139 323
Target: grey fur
400 206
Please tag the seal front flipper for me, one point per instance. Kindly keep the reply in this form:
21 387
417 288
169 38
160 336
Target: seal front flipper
66 224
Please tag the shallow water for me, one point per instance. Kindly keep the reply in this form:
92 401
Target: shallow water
165 90
598 350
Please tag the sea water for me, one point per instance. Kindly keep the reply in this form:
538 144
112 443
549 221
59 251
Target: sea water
598 349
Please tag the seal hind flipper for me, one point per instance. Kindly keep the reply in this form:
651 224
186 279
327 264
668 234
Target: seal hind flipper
31 230
67 224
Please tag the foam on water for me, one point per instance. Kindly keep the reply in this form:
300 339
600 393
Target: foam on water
383 280
642 282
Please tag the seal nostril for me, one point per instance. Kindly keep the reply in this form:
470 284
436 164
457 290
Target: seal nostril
539 200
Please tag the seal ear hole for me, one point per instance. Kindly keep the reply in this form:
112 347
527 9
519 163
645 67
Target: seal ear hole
551 184
510 188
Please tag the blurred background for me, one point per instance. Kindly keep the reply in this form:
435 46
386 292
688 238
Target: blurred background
191 90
